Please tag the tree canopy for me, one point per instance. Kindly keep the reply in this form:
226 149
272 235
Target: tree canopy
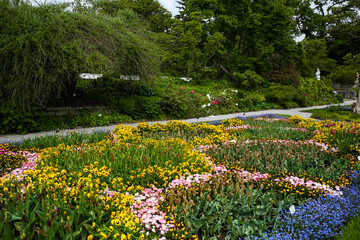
224 38
149 10
209 40
43 49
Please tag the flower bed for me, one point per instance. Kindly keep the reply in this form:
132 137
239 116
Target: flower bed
178 181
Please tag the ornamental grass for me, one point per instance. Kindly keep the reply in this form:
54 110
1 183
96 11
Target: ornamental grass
178 181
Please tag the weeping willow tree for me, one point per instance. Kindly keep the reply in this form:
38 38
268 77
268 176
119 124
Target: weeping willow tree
44 48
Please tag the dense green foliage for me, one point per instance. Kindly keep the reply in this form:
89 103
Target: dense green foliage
164 98
243 54
150 10
53 46
216 38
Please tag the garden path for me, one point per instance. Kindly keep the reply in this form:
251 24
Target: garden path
292 111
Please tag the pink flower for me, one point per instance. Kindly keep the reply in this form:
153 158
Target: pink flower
192 92
181 88
199 95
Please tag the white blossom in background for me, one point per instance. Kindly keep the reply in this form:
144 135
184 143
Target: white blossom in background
90 76
208 96
186 79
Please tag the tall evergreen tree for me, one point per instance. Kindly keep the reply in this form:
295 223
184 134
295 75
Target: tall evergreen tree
242 34
150 10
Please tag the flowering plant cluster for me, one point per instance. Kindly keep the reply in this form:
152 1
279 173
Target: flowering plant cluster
183 102
321 218
178 181
343 135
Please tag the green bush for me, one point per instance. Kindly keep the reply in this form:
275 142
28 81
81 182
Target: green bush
279 94
251 101
125 105
250 80
339 98
343 74
265 105
148 108
291 104
54 45
317 88
13 119
174 103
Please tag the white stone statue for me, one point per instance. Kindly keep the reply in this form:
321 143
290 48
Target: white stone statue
318 74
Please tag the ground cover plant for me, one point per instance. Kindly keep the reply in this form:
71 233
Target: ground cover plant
183 181
342 113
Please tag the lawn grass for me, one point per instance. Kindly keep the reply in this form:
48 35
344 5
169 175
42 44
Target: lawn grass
335 113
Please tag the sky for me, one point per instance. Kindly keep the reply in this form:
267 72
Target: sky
170 5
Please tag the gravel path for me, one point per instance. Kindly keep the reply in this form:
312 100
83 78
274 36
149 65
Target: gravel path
292 111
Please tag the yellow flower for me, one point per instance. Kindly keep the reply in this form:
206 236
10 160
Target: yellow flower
90 237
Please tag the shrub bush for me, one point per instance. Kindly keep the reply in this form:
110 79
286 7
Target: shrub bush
13 119
279 94
316 90
54 45
343 74
250 80
148 108
250 101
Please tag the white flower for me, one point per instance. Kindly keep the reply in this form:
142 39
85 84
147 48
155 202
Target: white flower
209 104
74 94
359 158
292 209
236 104
100 115
203 106
208 95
